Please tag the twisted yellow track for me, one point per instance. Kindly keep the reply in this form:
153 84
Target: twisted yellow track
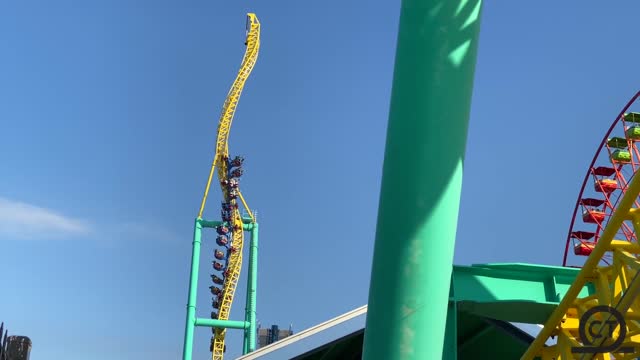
234 263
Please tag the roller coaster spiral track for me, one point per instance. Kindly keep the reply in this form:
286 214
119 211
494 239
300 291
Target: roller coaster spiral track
230 235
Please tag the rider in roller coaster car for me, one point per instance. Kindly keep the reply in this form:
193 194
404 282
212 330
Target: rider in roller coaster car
237 161
222 240
228 206
237 172
222 230
217 280
215 290
233 193
218 266
219 254
233 183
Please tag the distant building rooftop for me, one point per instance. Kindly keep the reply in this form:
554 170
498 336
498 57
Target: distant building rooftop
272 334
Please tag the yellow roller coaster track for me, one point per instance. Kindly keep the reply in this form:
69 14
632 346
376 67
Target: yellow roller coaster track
234 261
616 286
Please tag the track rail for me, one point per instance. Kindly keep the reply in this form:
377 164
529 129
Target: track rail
231 233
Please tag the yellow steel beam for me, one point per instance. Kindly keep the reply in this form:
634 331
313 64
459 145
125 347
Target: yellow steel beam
621 214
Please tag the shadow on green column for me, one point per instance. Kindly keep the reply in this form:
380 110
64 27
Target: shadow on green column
422 179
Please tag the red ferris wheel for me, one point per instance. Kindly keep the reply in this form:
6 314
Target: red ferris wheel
614 164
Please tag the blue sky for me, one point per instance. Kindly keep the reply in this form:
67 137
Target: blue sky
109 110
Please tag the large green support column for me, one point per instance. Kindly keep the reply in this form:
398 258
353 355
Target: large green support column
252 288
422 179
249 344
187 349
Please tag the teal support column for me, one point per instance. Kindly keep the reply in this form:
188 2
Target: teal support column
422 179
450 350
252 288
187 350
245 341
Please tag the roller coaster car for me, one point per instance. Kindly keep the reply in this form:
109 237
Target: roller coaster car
214 315
222 240
226 216
584 248
217 280
215 305
215 290
237 161
233 194
233 183
218 254
593 216
222 230
237 172
218 266
229 206
606 185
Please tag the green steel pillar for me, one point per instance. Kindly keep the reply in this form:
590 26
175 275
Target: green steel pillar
450 351
193 291
245 341
252 287
422 179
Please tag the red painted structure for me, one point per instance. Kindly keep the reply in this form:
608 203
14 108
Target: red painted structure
609 182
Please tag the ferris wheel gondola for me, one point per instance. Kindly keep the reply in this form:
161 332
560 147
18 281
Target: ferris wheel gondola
616 161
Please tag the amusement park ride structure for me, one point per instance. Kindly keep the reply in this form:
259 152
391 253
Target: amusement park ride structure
604 225
603 228
230 230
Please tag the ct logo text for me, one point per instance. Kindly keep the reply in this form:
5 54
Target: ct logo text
597 335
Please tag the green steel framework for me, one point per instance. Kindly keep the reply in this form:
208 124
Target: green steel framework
421 186
422 180
249 323
479 296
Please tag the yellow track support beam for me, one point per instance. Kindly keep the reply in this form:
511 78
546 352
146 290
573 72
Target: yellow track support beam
617 286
